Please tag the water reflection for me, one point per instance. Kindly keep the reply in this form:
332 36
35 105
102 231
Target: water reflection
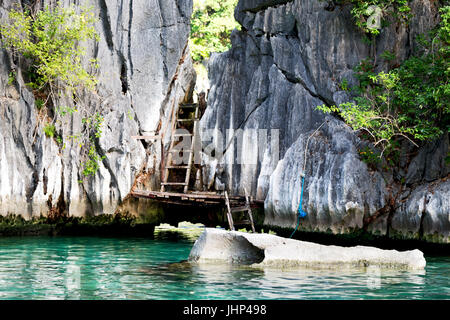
100 268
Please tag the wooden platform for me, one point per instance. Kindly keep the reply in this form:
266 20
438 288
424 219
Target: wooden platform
171 184
209 199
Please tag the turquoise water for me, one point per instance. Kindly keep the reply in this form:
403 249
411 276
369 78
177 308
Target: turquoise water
104 268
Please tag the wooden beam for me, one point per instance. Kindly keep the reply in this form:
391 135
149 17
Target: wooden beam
146 137
196 198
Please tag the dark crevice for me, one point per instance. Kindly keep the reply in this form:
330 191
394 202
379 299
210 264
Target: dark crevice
180 12
330 6
165 69
61 205
268 4
60 210
106 23
124 77
31 188
391 213
389 209
162 44
296 80
87 195
422 218
114 183
130 25
242 124
45 181
19 141
424 213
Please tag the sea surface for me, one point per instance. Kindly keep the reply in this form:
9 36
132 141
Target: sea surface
137 268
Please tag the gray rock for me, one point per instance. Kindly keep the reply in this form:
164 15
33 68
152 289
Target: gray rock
145 69
263 250
424 214
430 165
289 58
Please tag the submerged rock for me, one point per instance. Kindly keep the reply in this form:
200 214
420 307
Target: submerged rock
264 250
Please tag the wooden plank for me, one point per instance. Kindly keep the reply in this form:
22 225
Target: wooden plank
193 195
146 137
242 222
177 167
205 192
173 183
229 215
194 198
177 203
180 150
239 209
172 144
191 155
188 106
180 202
249 210
183 135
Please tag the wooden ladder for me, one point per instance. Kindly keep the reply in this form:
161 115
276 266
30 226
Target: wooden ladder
172 149
247 208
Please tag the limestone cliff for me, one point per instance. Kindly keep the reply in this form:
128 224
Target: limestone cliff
289 58
145 70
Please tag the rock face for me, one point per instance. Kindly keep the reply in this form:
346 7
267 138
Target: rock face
289 58
145 70
263 250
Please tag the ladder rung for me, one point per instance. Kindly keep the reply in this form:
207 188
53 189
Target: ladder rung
186 120
177 167
243 222
180 150
239 209
174 183
182 134
189 106
146 137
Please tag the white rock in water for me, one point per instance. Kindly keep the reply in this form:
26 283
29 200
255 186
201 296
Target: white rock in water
219 246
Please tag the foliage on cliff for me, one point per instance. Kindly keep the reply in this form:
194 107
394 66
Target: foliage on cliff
51 41
118 224
411 101
369 15
212 24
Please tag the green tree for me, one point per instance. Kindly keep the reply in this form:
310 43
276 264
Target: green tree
52 42
411 101
211 26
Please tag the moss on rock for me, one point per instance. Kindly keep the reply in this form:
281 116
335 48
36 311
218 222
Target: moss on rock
100 225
